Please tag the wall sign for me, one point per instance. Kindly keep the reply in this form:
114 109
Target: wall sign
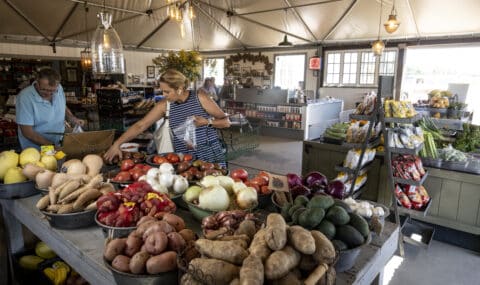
314 63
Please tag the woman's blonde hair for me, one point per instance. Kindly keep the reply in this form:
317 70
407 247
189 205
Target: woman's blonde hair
174 79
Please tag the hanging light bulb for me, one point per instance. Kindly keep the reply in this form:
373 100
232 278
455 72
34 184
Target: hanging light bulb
392 24
178 15
86 54
182 30
378 47
107 49
172 11
191 12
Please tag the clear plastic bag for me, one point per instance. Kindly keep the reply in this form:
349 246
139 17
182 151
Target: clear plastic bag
186 132
77 129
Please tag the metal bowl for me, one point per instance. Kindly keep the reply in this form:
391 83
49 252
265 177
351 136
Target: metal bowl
114 232
122 278
347 258
178 200
17 190
72 220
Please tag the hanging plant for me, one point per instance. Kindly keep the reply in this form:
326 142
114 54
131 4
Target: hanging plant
248 57
187 62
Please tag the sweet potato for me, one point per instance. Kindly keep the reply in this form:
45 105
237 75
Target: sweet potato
324 249
138 262
145 219
301 239
316 274
156 243
133 244
164 262
175 221
279 263
229 251
251 272
276 232
114 247
141 228
259 246
222 272
176 242
121 263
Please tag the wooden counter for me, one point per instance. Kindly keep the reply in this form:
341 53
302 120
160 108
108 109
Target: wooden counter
456 195
83 248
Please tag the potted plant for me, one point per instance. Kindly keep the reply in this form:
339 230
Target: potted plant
187 62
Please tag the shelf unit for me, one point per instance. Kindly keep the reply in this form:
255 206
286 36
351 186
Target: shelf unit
411 182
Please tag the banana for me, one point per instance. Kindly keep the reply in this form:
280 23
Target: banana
50 273
61 264
60 276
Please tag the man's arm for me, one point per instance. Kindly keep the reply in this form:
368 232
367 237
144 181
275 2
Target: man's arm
71 117
33 136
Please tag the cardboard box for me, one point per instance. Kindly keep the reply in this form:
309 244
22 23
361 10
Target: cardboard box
80 144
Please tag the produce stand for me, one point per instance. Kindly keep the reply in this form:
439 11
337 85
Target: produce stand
83 248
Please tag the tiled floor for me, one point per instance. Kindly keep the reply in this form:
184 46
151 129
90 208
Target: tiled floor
441 263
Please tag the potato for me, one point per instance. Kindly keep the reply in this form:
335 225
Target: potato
229 251
301 239
251 272
156 243
141 228
247 227
121 263
160 226
259 246
190 252
176 242
164 262
276 232
138 262
222 272
134 243
279 263
145 219
114 248
187 234
235 281
316 275
329 277
324 250
174 221
187 279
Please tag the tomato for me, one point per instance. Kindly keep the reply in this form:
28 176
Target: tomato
254 186
258 181
146 167
173 158
139 166
127 164
158 159
136 173
264 190
187 157
239 173
122 176
264 175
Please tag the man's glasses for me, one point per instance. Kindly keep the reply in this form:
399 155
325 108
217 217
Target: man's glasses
47 90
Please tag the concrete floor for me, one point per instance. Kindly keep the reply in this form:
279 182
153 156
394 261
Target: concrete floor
441 263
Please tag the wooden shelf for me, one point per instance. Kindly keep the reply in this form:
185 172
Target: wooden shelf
410 182
415 213
403 120
362 170
371 144
412 151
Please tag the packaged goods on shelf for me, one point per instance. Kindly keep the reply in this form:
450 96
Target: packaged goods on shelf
399 109
368 105
359 182
405 137
353 157
408 167
357 131
412 197
450 154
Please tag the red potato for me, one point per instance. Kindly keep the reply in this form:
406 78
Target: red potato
141 228
175 221
176 242
156 243
160 226
114 247
145 219
121 263
133 244
138 262
164 262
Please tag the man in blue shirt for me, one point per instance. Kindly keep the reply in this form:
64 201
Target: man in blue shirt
41 111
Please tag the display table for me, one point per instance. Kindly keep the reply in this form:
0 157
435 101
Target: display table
83 248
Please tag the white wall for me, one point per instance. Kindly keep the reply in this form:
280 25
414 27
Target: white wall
135 62
349 95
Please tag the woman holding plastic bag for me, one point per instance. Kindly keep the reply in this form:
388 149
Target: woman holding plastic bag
193 118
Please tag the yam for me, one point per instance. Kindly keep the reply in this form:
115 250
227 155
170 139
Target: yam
243 240
276 232
251 272
301 239
114 248
316 274
164 262
279 263
222 272
259 246
324 249
229 251
138 262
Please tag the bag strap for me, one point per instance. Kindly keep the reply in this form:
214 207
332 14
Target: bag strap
167 111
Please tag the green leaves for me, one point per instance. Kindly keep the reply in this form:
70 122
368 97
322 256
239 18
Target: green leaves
187 62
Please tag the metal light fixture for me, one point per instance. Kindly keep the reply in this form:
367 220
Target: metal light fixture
392 24
107 49
378 46
86 54
285 42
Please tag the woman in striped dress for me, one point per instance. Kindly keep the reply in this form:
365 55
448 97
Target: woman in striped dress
183 104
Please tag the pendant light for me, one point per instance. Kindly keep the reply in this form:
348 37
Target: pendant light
285 42
392 24
86 55
378 46
107 50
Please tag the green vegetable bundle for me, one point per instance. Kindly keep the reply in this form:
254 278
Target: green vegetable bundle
469 140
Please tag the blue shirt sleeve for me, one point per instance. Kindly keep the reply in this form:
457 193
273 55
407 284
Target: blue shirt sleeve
24 110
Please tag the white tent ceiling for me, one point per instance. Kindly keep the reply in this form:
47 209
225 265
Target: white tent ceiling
311 22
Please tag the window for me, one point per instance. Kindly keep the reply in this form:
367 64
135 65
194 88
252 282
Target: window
333 65
357 67
350 62
289 70
214 67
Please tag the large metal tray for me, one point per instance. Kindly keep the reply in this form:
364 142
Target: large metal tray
17 190
72 220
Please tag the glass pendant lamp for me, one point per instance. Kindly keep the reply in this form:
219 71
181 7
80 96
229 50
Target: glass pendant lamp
107 50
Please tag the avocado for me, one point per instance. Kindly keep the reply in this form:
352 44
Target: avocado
327 228
339 245
350 236
301 200
296 214
321 201
284 211
310 218
344 205
338 216
360 224
293 208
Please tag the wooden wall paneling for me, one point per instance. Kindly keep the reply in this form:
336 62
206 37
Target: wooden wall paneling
468 204
448 206
433 185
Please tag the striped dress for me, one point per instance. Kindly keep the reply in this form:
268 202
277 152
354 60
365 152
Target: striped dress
208 144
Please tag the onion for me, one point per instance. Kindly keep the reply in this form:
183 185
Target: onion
247 198
226 182
153 172
316 181
298 190
166 179
237 186
159 188
214 198
180 184
166 168
293 180
336 189
209 180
